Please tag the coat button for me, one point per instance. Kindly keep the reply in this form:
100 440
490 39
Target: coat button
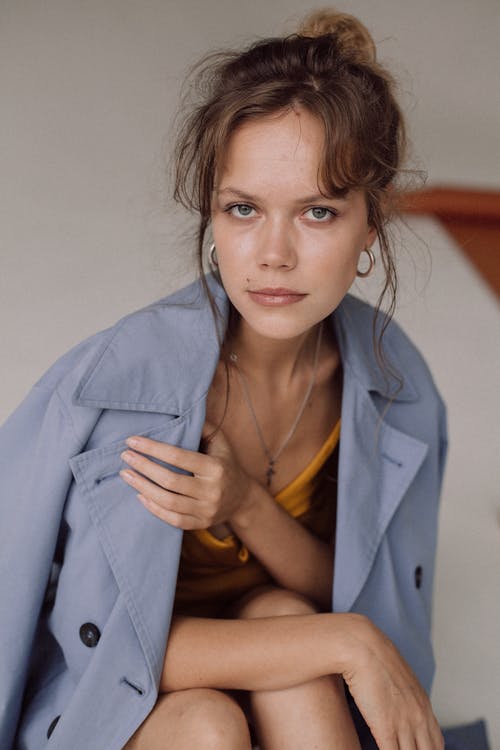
90 634
52 726
418 576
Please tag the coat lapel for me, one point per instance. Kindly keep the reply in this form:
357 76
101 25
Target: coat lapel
377 463
159 359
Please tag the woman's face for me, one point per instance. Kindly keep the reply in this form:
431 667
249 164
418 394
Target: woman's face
287 255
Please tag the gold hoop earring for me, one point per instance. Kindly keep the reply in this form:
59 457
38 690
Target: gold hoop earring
363 274
212 255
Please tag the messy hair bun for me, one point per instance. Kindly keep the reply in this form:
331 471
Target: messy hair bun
352 36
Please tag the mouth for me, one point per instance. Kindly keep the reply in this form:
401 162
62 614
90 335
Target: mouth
276 296
276 291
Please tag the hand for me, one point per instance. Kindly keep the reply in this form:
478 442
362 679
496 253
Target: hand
215 490
388 694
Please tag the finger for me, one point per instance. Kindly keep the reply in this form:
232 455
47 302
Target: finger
383 730
437 737
153 491
182 458
183 484
423 740
179 520
406 739
427 731
430 737
389 742
170 502
182 504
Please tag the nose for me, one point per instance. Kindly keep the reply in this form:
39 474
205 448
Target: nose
276 248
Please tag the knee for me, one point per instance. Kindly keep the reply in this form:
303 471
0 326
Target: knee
274 602
214 718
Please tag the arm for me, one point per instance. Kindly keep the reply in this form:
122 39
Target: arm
218 491
300 562
256 654
278 652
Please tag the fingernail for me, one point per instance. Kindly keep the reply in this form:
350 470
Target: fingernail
127 456
127 475
133 442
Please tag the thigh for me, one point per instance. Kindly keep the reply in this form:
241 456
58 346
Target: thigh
186 719
264 601
270 601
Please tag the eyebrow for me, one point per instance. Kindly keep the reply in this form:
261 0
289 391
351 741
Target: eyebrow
318 197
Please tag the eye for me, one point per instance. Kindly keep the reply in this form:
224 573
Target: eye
321 213
241 210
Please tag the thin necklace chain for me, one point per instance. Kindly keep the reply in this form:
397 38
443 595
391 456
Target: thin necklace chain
271 460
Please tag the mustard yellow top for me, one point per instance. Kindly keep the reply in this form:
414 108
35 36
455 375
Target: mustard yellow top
215 572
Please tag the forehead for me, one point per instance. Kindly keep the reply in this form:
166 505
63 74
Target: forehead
288 143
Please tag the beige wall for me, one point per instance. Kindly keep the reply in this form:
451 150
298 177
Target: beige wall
88 90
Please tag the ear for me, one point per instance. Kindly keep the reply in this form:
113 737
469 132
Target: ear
371 236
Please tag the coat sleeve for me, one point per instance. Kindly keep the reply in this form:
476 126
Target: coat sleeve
36 442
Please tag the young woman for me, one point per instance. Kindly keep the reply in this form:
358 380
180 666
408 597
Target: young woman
291 431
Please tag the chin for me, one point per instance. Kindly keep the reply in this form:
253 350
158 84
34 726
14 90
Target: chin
278 325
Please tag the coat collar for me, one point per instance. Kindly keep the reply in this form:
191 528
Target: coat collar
162 358
353 322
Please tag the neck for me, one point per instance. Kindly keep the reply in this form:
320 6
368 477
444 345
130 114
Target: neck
277 362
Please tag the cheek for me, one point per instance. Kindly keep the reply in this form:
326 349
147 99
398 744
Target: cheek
233 271
234 254
339 261
223 236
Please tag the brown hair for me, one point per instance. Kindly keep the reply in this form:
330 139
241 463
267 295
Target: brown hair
329 68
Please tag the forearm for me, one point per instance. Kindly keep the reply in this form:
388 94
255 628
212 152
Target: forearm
294 557
278 653
256 654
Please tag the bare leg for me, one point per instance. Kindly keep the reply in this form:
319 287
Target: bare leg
197 718
314 714
285 651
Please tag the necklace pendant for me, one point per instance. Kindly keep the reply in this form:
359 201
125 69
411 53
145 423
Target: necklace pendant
269 473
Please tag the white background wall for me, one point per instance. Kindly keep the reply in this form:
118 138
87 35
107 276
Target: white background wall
87 94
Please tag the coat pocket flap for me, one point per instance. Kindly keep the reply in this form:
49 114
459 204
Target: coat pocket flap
97 465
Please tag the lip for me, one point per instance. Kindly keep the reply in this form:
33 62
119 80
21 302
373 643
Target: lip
278 291
275 297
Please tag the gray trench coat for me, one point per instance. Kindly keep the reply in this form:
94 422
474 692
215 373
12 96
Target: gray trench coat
88 575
